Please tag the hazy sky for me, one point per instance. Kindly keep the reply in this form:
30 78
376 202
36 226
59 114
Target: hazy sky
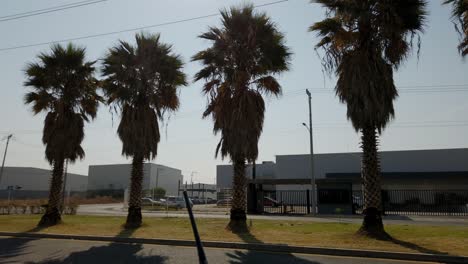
430 112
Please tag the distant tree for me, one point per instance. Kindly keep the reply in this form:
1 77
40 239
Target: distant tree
460 20
364 41
141 83
63 86
246 52
159 192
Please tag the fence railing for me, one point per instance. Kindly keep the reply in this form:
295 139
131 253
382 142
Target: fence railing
394 202
285 202
419 202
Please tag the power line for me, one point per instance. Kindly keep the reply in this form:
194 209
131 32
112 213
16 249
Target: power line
44 9
49 10
401 89
128 30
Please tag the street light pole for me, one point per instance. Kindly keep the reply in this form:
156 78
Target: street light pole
314 203
4 156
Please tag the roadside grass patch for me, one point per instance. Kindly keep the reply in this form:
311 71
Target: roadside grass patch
451 240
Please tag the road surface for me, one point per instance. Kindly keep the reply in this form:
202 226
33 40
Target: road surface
54 251
117 210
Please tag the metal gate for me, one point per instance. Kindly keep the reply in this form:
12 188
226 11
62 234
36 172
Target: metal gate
284 202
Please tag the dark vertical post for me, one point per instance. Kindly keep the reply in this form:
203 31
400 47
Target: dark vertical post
312 165
64 190
178 189
308 201
4 156
201 253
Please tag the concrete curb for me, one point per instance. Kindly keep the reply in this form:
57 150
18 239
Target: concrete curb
257 247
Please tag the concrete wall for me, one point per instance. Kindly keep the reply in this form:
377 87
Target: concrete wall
114 176
35 182
298 166
117 176
35 179
167 178
224 173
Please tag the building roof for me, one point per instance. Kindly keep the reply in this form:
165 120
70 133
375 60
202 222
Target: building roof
380 152
405 175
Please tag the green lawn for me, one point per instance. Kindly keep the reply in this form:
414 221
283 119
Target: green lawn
427 239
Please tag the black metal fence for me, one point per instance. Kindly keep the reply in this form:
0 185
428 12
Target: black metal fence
419 202
284 202
394 202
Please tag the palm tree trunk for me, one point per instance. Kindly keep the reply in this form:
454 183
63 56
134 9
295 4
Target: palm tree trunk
372 225
52 214
134 209
238 219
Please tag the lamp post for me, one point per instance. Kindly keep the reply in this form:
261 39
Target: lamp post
309 128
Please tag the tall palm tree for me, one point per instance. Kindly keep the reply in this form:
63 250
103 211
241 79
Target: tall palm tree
141 82
364 42
460 19
63 85
246 53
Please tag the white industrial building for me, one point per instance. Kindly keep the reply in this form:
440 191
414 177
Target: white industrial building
410 169
35 182
117 177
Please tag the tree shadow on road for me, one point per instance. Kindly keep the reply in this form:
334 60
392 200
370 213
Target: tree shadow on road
12 247
111 253
415 247
253 257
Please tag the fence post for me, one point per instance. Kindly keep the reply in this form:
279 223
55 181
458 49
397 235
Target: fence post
382 197
308 201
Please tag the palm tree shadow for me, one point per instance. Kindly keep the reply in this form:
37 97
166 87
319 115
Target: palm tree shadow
252 257
111 253
12 247
418 248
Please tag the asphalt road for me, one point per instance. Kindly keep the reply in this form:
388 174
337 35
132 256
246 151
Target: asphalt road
200 212
54 251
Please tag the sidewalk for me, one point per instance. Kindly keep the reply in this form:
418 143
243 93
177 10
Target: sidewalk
118 210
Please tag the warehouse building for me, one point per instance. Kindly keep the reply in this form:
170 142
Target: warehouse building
409 169
32 183
425 182
103 179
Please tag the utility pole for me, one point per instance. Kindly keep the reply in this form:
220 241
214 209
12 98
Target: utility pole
4 156
64 184
191 181
314 203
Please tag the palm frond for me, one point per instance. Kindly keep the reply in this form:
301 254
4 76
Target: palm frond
142 82
63 85
246 52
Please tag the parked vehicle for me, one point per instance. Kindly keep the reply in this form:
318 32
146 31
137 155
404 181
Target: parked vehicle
267 201
149 201
224 202
211 201
177 202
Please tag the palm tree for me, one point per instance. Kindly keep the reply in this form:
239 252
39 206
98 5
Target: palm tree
63 86
141 81
460 19
238 68
364 41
